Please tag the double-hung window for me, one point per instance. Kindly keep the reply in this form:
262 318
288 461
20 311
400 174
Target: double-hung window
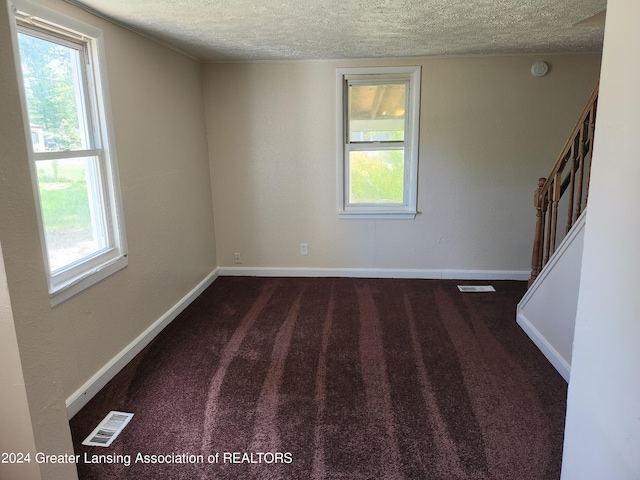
378 116
71 148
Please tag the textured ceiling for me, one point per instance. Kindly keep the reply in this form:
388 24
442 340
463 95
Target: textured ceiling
220 30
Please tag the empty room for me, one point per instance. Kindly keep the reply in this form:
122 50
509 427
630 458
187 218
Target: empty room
308 240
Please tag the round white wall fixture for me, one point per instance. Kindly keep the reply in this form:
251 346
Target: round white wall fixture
539 69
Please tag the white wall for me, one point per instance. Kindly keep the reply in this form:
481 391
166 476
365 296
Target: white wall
488 128
602 436
547 312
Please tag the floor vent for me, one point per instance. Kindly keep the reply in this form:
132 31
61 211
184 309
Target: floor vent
108 429
476 288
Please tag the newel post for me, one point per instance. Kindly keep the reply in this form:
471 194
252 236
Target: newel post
539 202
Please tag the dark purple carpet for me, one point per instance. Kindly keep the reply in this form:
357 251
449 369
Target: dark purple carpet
307 378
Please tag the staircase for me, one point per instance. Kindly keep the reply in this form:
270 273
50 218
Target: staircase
570 176
547 311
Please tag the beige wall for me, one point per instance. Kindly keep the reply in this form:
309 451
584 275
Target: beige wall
489 129
14 411
158 116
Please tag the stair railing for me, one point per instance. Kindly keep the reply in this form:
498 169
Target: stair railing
570 175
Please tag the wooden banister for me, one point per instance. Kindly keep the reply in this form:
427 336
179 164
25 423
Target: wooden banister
570 174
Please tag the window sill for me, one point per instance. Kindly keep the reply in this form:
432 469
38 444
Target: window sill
376 215
65 291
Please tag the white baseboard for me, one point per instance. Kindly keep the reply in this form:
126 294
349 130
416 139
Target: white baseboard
85 393
559 363
374 273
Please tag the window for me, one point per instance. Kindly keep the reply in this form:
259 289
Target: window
378 113
71 150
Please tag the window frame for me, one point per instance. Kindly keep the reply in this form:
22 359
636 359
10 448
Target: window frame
74 277
411 76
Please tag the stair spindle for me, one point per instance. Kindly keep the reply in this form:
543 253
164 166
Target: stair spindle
536 256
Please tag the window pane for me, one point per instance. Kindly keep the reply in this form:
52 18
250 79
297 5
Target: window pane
53 86
74 224
376 112
376 176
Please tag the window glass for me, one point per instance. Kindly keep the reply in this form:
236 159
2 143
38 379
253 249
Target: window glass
54 89
376 176
72 211
376 112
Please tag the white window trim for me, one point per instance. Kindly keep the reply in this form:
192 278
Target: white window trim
69 281
408 209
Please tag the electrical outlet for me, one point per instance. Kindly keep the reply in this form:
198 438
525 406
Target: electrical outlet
237 258
304 249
